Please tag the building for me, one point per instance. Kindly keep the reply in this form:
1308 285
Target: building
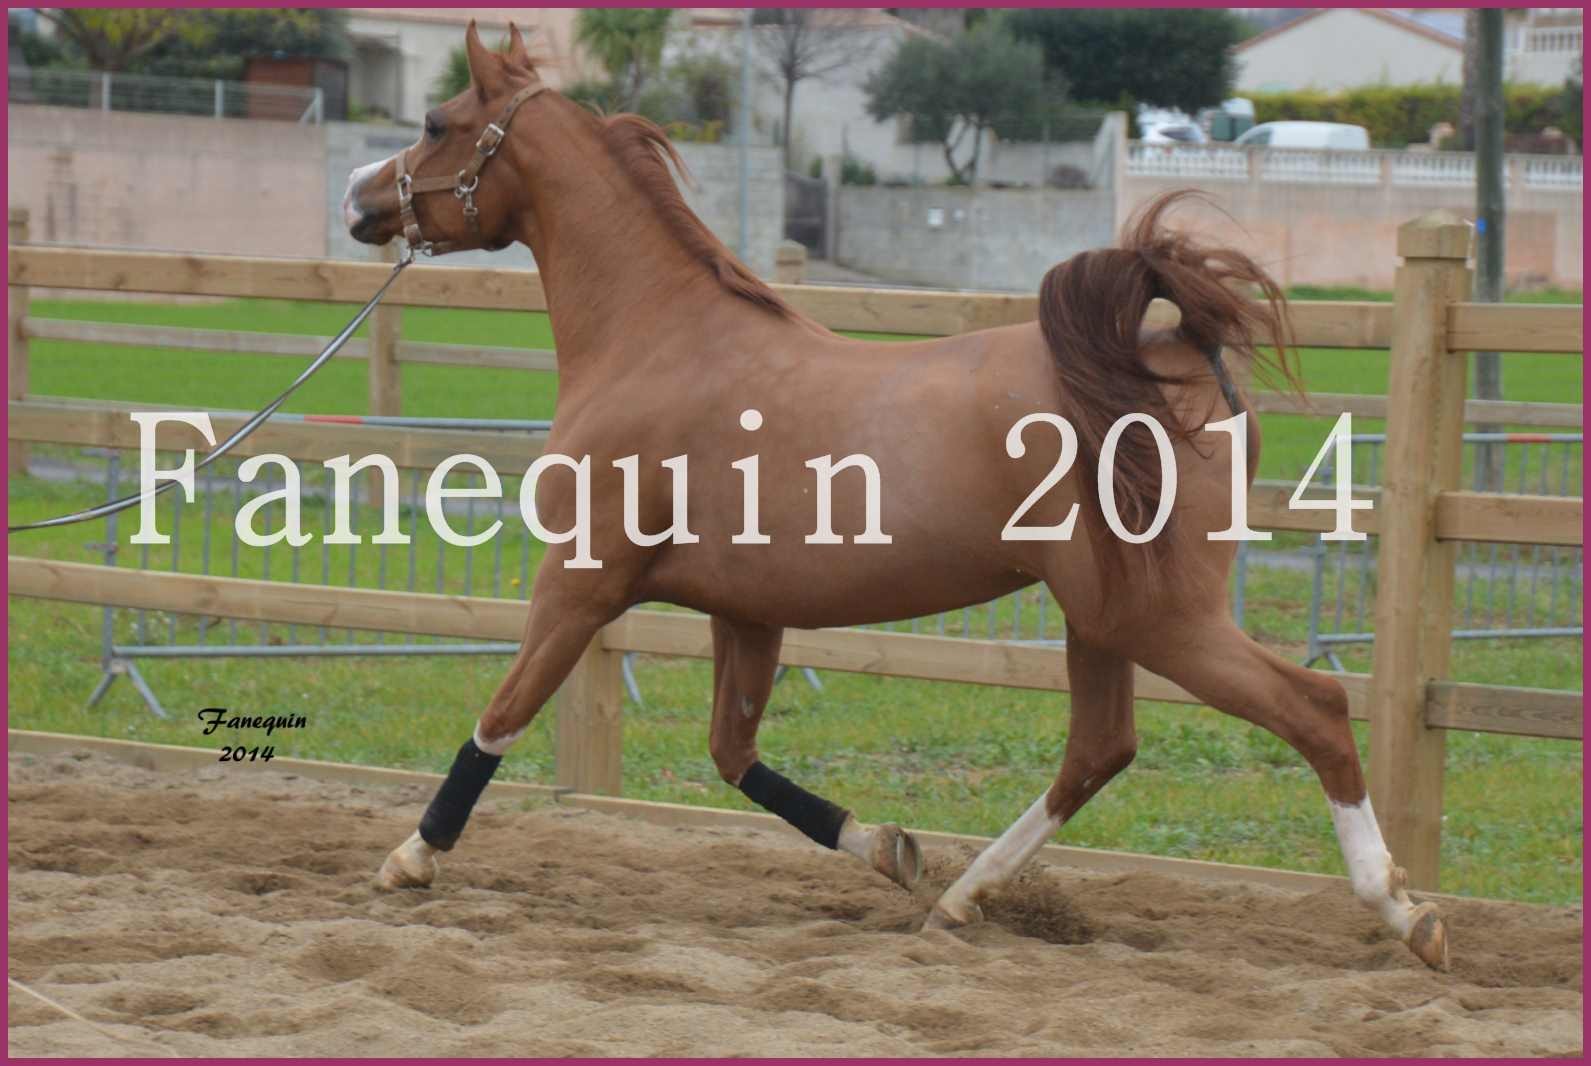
1344 48
1543 45
399 53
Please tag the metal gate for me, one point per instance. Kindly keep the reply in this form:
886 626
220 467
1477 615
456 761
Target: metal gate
806 213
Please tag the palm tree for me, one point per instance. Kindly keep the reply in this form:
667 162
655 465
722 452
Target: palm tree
626 41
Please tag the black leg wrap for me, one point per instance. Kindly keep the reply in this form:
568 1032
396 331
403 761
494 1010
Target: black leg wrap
813 815
450 808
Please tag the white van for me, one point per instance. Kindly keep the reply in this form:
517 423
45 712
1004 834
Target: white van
1337 135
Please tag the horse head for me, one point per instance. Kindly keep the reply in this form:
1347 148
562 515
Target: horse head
400 195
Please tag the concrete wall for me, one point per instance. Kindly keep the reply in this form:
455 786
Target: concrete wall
173 183
239 187
968 238
1317 234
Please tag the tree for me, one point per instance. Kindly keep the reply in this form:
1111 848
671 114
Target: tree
628 42
195 42
800 43
984 79
1168 58
1571 102
232 35
113 39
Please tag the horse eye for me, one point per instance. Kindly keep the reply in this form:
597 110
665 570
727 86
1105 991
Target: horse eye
433 128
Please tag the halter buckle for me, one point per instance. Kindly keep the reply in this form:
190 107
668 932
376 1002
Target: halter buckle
491 137
460 190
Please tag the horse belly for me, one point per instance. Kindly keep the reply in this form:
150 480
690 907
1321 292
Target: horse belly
815 585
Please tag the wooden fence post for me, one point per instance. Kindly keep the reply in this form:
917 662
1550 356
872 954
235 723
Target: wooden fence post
1414 597
385 394
590 709
17 337
790 263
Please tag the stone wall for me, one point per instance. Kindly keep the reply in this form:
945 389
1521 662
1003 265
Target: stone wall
173 183
1329 234
961 238
240 187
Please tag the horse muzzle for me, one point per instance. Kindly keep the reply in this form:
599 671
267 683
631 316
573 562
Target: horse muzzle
368 220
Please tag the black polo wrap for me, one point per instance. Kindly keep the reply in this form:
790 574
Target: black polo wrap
450 808
813 815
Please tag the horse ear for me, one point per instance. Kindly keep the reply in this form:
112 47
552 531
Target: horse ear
486 69
517 52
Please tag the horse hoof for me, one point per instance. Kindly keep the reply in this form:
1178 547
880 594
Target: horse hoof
410 865
941 918
897 856
1428 937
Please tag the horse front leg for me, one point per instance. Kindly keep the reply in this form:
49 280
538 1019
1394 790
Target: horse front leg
745 657
562 623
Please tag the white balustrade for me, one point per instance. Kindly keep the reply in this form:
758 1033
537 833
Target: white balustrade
1221 162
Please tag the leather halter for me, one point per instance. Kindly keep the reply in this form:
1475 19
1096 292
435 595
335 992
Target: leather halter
463 185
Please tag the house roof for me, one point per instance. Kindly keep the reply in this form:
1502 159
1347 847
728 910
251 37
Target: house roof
1401 21
459 16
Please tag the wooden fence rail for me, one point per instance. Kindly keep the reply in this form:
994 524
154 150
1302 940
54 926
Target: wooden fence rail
1420 514
1318 324
1488 708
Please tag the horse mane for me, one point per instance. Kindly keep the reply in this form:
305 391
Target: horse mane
643 150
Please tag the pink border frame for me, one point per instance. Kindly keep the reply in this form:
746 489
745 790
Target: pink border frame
4 833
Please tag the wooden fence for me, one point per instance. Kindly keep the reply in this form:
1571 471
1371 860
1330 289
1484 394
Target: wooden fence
1421 513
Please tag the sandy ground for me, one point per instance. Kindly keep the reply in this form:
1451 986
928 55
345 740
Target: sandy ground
232 913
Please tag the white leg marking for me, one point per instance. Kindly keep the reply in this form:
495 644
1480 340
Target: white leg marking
498 746
1370 865
856 838
411 864
889 849
1000 861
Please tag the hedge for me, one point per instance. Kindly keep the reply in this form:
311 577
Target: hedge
1399 115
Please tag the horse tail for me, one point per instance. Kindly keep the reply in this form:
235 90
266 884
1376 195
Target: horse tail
1091 308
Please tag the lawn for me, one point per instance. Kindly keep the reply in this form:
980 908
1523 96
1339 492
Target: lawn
944 756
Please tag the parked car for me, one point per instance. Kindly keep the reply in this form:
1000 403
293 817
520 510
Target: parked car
1339 135
1174 133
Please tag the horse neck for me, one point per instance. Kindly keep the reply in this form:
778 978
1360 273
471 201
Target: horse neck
615 278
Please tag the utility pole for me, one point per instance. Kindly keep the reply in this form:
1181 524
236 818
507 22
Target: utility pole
1490 223
742 239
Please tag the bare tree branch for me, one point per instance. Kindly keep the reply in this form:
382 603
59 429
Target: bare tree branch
796 44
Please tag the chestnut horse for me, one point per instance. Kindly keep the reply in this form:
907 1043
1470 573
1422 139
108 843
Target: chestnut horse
667 345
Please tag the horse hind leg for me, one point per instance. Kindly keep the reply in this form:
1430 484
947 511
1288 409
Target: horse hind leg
745 658
1100 743
1220 665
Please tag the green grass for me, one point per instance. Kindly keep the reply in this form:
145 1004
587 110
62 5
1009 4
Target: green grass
944 756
